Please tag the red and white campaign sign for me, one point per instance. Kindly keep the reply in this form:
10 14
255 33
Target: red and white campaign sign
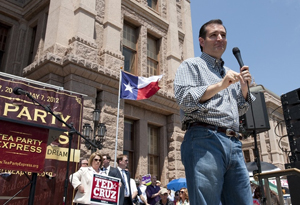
105 190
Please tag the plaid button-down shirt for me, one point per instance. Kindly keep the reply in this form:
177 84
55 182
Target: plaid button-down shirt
192 78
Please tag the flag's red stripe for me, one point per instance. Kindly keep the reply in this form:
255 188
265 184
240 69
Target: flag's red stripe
148 91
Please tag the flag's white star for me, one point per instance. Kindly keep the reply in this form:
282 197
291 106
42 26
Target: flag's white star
128 87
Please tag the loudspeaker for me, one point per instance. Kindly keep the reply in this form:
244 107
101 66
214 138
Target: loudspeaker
294 181
291 98
260 115
291 111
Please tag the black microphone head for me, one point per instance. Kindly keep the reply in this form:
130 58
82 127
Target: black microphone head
237 54
16 91
235 50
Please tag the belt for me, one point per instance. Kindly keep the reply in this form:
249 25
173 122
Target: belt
227 131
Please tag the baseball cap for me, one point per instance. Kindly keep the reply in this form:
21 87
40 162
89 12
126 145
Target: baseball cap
163 191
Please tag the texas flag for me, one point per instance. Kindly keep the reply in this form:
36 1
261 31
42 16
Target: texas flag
138 88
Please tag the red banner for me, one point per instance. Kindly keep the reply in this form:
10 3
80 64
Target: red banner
22 147
105 190
30 119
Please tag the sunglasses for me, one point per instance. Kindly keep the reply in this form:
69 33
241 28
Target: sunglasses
176 194
97 160
85 163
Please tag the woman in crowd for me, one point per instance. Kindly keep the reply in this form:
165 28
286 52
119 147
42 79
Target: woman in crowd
176 197
184 197
82 179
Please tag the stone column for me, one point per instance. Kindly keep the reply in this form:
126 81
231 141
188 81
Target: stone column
164 162
142 148
83 43
19 55
85 14
263 147
173 51
60 26
142 54
175 138
188 48
110 55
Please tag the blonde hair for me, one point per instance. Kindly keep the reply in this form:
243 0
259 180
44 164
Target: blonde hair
186 193
93 156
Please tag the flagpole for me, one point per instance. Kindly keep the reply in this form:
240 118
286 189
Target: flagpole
117 129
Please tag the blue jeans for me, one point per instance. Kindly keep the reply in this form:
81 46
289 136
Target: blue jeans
215 168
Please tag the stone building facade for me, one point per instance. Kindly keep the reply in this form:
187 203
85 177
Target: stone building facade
81 45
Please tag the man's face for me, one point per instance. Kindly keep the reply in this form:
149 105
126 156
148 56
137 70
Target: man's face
153 180
123 164
215 41
105 161
84 163
164 197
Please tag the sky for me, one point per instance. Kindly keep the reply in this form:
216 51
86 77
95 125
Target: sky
267 32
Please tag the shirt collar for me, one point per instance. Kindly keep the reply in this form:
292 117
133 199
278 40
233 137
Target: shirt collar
212 61
106 168
121 169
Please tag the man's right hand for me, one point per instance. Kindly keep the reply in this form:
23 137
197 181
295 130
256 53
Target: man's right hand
231 77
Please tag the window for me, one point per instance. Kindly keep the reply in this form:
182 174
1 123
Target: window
152 59
152 4
129 48
32 41
153 152
129 144
247 156
3 41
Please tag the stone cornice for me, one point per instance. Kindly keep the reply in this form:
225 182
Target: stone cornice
146 13
82 7
105 51
112 24
81 40
170 55
180 33
49 57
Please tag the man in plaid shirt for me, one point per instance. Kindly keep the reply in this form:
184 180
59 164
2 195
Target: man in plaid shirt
211 98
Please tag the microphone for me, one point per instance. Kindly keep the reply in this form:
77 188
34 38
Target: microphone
19 91
236 52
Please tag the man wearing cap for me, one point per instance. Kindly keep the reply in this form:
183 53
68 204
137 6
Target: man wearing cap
164 198
152 191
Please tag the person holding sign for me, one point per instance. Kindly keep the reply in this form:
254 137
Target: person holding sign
81 179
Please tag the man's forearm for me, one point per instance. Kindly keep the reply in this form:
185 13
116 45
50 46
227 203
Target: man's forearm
143 199
211 91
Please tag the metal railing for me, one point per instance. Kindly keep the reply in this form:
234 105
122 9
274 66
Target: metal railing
277 175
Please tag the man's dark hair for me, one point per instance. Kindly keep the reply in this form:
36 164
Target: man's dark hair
202 32
107 156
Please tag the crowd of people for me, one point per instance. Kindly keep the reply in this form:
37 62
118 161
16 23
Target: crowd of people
132 191
135 191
